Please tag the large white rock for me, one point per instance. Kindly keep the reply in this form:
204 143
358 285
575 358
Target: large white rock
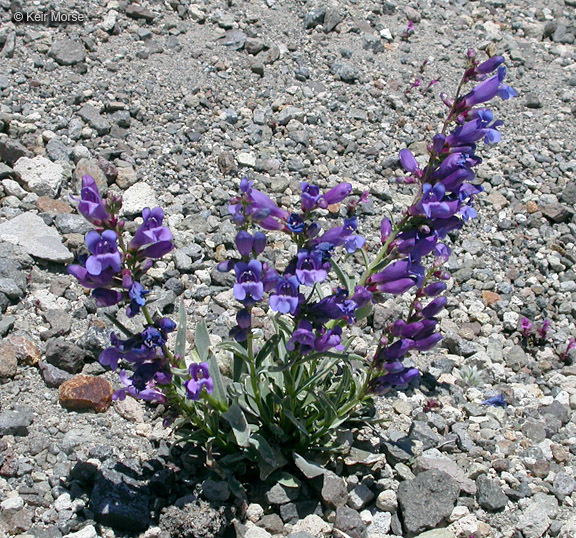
40 175
137 197
39 240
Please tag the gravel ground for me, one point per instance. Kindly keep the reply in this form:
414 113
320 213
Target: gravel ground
172 103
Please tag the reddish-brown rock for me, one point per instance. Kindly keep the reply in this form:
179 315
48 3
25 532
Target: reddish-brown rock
49 205
490 297
25 348
86 392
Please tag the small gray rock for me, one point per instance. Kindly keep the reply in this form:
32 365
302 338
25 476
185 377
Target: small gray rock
345 71
64 355
490 495
15 422
350 522
91 115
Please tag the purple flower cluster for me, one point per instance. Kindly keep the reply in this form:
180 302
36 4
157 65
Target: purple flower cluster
309 267
444 203
147 354
113 270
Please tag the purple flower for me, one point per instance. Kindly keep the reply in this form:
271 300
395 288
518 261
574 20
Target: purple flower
91 205
361 296
248 287
151 230
304 337
310 196
526 326
397 278
490 65
335 195
381 385
259 242
328 339
311 267
433 205
244 242
394 352
409 163
434 289
385 229
496 401
105 297
150 393
335 306
137 295
91 281
543 329
434 307
490 88
104 252
295 223
199 379
285 297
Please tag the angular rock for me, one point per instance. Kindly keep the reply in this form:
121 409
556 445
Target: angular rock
52 376
233 39
534 521
30 232
350 522
8 360
91 115
135 11
15 422
427 500
84 392
72 224
490 495
40 175
137 197
194 519
333 490
88 167
67 51
120 501
314 18
11 150
332 18
126 177
65 355
345 71
54 207
427 462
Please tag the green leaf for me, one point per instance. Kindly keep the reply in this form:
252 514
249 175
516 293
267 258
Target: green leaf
264 449
288 481
342 277
219 393
236 488
309 469
267 349
180 346
235 417
202 341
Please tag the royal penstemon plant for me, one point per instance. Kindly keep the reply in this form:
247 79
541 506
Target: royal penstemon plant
290 392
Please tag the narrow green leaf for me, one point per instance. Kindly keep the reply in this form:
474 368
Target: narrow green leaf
309 469
219 392
235 417
202 341
236 488
342 277
180 345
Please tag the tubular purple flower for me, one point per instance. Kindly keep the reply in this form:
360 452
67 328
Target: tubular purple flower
285 297
157 250
394 352
438 143
526 326
311 267
295 223
244 319
361 296
259 242
304 337
199 379
104 252
87 280
261 201
381 385
335 195
150 393
409 162
328 339
425 344
385 229
137 295
434 307
248 286
434 289
244 242
151 230
490 65
91 205
310 196
105 297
